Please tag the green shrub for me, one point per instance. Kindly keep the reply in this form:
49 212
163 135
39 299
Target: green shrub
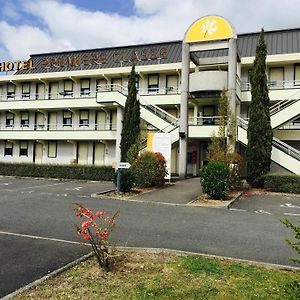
127 179
215 179
285 183
97 173
149 169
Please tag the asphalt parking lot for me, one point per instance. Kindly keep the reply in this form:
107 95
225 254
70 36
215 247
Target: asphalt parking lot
37 233
29 227
277 205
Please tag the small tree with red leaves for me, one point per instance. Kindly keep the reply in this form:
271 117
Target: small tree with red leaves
95 228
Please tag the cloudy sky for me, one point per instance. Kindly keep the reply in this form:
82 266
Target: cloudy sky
35 26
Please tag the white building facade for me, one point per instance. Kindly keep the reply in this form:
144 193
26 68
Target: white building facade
67 107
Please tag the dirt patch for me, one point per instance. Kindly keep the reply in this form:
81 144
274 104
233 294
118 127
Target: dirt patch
205 201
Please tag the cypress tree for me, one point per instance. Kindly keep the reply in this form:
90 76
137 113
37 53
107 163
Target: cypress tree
260 134
130 135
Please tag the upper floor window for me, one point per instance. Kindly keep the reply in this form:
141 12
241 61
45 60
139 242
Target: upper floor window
85 89
297 74
8 149
25 90
24 119
276 77
116 84
84 118
102 85
172 84
10 119
153 83
68 88
11 91
67 118
23 149
53 90
40 91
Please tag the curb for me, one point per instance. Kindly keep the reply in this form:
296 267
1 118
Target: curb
236 198
146 250
99 194
50 275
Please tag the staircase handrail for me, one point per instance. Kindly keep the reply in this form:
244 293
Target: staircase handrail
161 113
286 148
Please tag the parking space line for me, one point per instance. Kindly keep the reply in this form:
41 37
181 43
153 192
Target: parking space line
290 214
42 238
33 187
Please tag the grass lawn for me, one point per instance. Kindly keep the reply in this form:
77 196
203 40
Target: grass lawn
168 276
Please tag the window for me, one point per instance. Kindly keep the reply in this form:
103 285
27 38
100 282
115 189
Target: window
68 88
53 90
85 87
24 119
23 149
116 84
26 90
172 84
40 91
102 85
11 90
8 149
209 115
153 83
276 78
84 118
9 119
52 149
67 118
297 74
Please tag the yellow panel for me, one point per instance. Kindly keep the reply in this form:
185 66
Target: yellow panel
209 28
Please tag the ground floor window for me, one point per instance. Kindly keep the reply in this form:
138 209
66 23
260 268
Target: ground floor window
8 149
52 149
23 149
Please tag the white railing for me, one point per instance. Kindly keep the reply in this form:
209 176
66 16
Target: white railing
49 96
282 105
160 113
276 142
112 88
274 85
72 127
205 121
290 126
286 148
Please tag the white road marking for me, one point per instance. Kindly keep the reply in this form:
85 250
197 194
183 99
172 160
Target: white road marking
54 194
5 183
74 189
42 238
27 192
290 214
261 211
83 196
290 205
237 209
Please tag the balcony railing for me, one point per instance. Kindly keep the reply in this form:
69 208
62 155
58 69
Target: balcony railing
274 85
205 121
64 127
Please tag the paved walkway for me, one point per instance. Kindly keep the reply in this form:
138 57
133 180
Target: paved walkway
182 192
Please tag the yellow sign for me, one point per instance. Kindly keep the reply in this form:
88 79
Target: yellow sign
16 65
209 28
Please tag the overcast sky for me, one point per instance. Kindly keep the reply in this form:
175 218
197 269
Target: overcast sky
35 26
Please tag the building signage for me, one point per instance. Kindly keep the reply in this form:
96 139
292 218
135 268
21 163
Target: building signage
16 65
88 59
104 57
161 142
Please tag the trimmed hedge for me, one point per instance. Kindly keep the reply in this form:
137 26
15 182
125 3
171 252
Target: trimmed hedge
215 180
101 173
285 183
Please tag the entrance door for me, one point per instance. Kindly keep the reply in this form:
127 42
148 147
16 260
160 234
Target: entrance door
38 153
82 153
99 153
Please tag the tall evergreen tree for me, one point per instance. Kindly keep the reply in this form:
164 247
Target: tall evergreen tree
260 134
130 135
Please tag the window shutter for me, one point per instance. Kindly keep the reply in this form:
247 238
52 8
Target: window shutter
84 114
26 87
68 85
153 79
11 88
52 149
85 83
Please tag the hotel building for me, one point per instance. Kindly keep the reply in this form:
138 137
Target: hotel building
67 107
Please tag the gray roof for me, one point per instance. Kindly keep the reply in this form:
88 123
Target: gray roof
278 42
